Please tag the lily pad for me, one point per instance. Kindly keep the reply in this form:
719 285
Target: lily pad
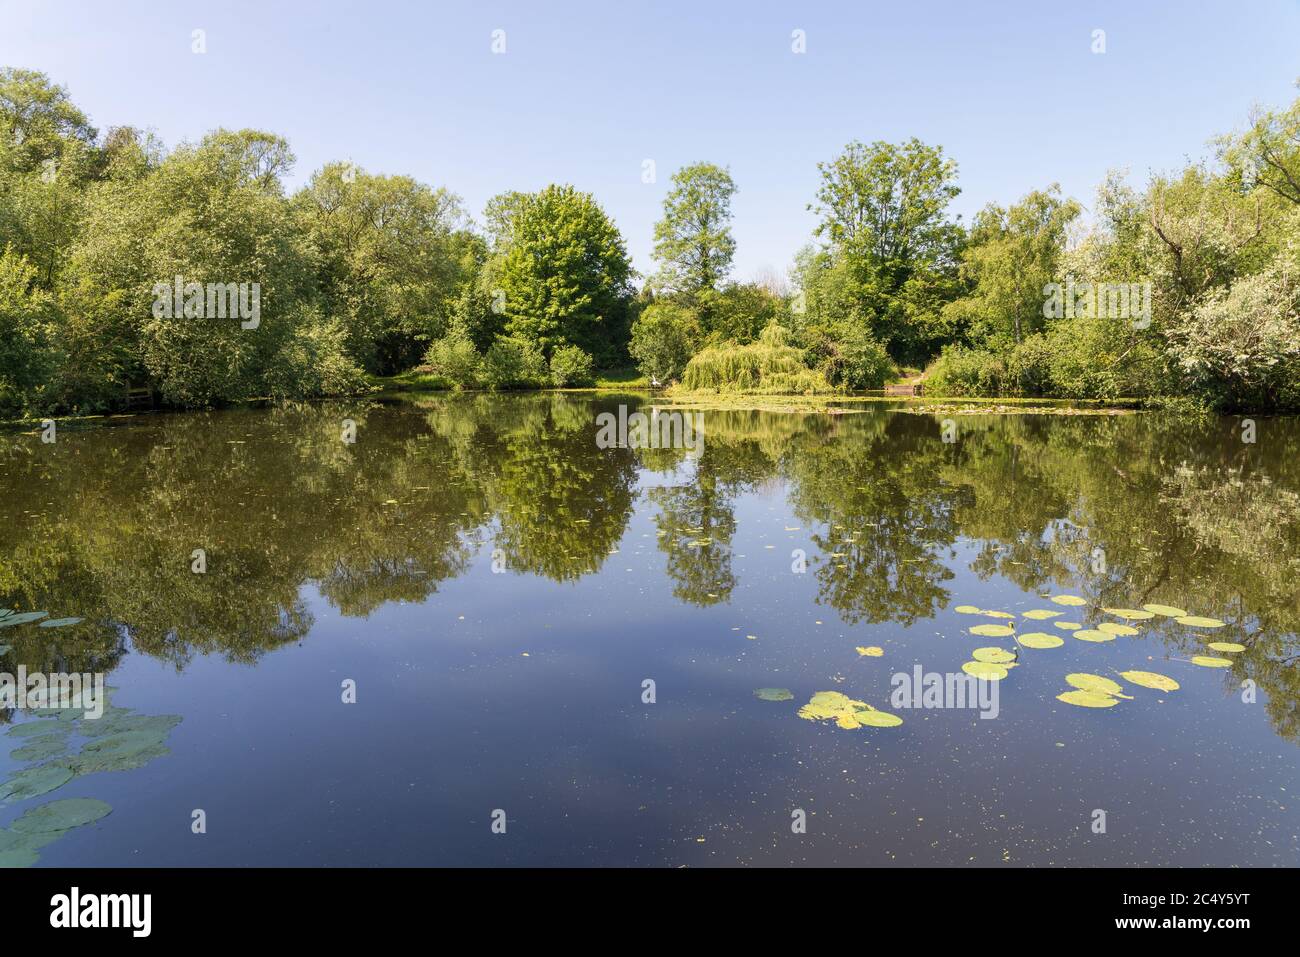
985 670
1229 646
29 729
39 748
1097 683
1150 679
992 631
61 815
1000 614
22 618
19 850
872 652
1165 611
1209 661
1132 614
968 610
60 622
878 719
997 656
1067 625
773 694
33 782
1115 628
1088 699
1092 634
1196 621
1072 600
1041 614
1040 639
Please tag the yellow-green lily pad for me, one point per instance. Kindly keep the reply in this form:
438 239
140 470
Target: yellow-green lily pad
992 631
1097 683
1071 600
1165 611
1229 646
1209 661
1041 614
773 694
1196 621
985 670
878 719
1132 614
1039 639
1150 679
1067 625
997 656
1092 634
1115 628
1088 699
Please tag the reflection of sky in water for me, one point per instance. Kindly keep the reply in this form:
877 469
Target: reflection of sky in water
521 692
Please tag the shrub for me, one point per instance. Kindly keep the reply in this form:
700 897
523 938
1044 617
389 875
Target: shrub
769 365
513 363
570 366
314 363
663 338
959 371
849 356
455 359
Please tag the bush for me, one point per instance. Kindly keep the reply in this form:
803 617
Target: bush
664 337
455 359
849 356
570 366
960 371
315 364
513 363
769 366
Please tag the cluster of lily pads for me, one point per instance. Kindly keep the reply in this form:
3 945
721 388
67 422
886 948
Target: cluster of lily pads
846 712
10 618
118 740
1091 691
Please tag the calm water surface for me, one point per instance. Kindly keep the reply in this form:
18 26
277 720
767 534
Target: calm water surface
499 589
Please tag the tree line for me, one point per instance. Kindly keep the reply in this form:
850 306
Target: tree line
1180 291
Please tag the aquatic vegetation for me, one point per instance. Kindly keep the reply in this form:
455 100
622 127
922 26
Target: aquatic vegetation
1096 683
1093 634
40 747
1196 621
1067 625
846 712
1071 600
1040 614
1115 628
33 782
995 655
872 652
21 618
60 622
31 729
61 815
986 670
1209 661
1088 699
1040 639
1150 679
1166 611
993 631
20 849
1132 614
1229 646
773 694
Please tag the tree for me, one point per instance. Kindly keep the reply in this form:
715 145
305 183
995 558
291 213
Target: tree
664 337
1010 255
883 212
565 276
693 242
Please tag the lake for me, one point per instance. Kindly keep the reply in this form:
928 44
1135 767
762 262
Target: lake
461 632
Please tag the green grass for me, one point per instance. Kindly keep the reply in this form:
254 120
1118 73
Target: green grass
618 380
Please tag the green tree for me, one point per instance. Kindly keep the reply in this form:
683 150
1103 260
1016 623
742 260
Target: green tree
693 241
565 277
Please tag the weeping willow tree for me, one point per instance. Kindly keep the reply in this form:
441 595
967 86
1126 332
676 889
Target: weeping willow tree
770 365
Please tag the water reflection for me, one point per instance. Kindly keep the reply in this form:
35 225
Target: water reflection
1123 510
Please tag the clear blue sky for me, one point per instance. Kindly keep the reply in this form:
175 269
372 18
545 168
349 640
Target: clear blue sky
587 90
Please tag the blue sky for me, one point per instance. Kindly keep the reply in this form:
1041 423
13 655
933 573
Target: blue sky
586 91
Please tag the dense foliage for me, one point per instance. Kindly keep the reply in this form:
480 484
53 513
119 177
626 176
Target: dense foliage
191 276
